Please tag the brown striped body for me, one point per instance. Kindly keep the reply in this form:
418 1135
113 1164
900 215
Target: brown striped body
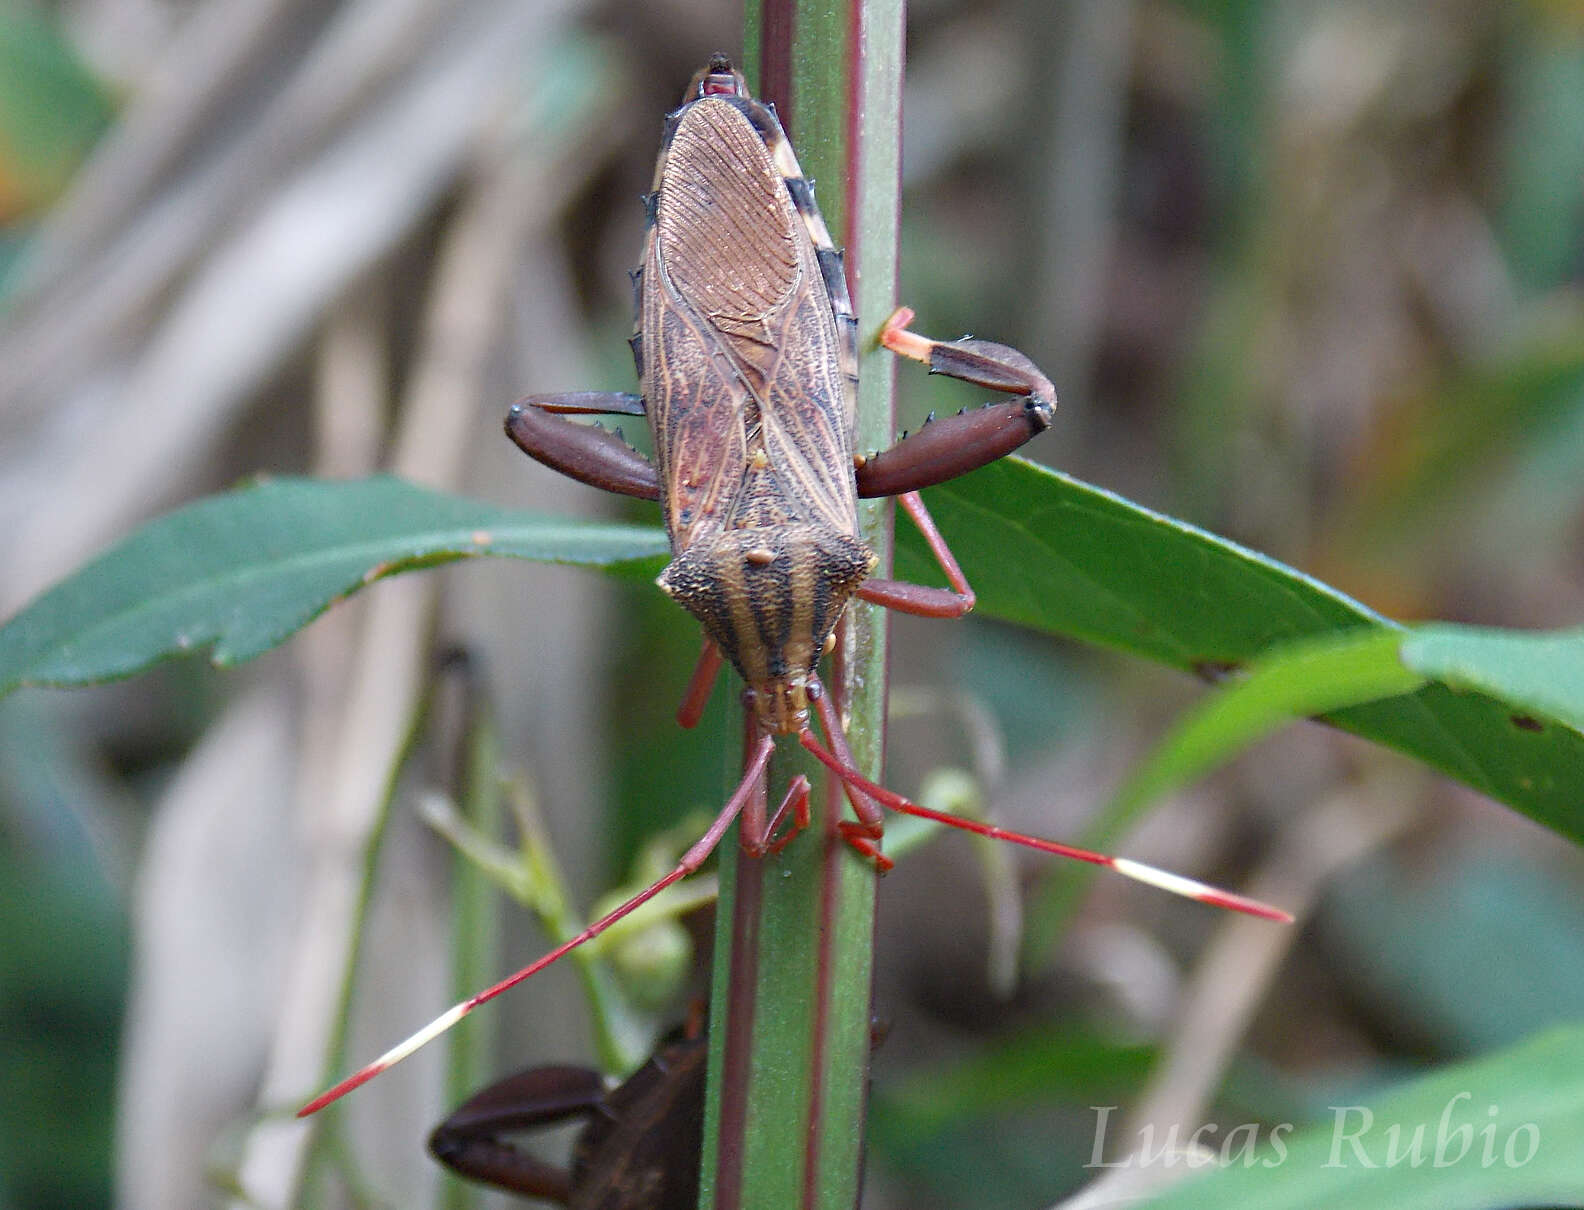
746 351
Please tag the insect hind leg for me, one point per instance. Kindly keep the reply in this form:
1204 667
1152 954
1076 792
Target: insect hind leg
982 362
473 1140
944 449
587 453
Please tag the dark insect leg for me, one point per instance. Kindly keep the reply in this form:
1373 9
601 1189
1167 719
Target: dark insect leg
589 403
944 449
697 694
950 602
583 452
472 1141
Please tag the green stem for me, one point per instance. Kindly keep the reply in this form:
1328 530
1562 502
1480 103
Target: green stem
475 919
794 946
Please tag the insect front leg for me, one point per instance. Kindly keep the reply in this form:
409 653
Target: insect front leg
794 802
584 452
944 449
864 833
868 797
472 1141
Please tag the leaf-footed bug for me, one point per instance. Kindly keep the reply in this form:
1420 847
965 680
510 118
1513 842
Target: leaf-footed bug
747 352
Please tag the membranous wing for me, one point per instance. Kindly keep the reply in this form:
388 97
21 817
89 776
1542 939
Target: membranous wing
740 346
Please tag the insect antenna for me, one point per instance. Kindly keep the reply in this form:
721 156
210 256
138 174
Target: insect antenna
688 864
1189 888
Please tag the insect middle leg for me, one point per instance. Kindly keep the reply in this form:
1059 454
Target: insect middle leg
917 599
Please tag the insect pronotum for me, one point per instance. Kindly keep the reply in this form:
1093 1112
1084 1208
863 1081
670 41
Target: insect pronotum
746 346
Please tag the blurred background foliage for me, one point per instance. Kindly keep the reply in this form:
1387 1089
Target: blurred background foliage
1306 274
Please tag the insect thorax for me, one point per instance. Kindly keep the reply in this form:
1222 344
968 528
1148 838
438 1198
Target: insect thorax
770 598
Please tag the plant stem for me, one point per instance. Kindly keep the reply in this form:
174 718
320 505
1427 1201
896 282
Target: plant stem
475 919
794 945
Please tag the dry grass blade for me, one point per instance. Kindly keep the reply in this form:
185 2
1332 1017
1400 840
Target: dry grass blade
221 42
256 298
1236 970
212 943
389 669
113 296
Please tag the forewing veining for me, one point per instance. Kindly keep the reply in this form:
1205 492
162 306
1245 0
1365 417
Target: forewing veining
698 410
726 228
740 343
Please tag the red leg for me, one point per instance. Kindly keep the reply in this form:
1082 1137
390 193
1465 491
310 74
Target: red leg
865 832
689 863
702 683
842 767
796 800
950 602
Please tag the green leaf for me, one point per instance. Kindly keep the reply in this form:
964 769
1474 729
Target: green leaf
1046 551
1309 677
51 111
1040 1067
241 571
1544 672
1543 87
1487 1116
